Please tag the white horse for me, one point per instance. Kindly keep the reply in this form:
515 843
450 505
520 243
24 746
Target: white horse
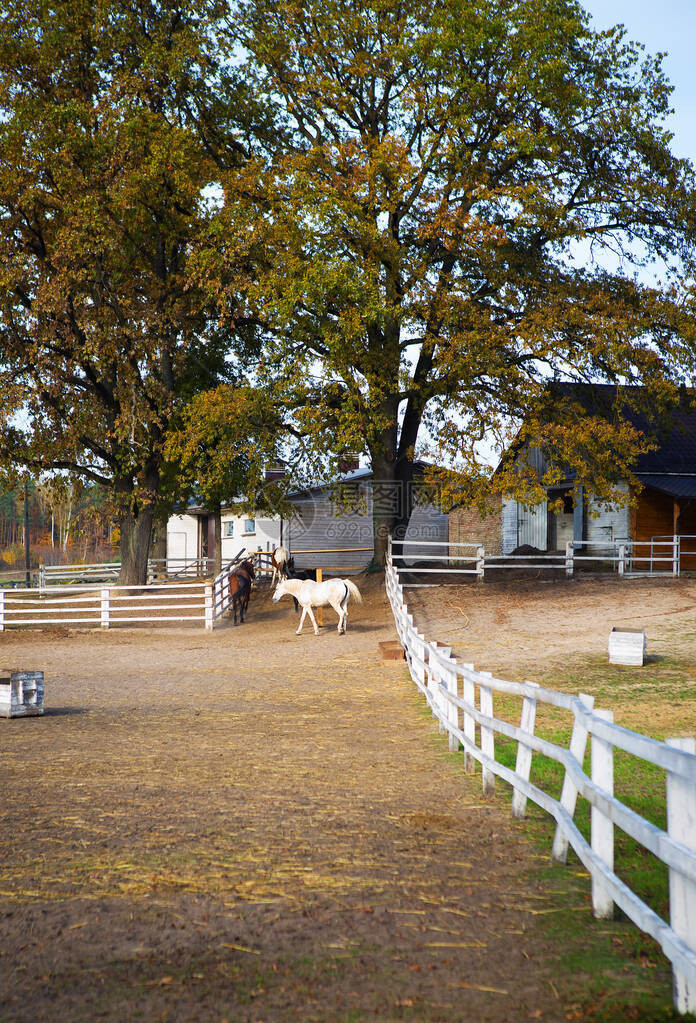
309 594
279 561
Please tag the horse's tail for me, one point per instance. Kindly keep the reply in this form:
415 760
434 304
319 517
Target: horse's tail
352 589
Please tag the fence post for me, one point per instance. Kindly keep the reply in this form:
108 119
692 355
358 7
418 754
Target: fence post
320 614
480 563
437 675
469 694
569 558
419 667
208 605
407 641
524 752
403 616
487 734
452 708
2 610
681 826
105 608
622 559
42 576
431 681
601 826
442 701
569 793
675 555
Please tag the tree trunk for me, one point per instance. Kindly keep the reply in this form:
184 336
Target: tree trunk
158 543
392 504
66 535
135 546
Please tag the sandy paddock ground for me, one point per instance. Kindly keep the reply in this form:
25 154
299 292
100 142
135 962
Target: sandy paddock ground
252 826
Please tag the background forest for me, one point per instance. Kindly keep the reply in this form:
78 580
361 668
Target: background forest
67 523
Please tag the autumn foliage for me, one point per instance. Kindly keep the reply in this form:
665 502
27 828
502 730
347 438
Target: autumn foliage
406 219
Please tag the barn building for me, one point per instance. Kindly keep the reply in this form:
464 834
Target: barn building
330 526
664 507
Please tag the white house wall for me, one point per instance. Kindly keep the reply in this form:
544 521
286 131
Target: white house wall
265 536
532 525
524 525
603 526
509 525
182 537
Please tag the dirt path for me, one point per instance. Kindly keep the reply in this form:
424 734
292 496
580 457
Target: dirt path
251 826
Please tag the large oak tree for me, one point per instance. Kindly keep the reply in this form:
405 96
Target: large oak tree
452 217
116 121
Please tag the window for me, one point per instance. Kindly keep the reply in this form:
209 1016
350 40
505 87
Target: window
249 526
229 528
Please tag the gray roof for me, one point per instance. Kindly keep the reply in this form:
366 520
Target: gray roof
674 485
674 433
355 476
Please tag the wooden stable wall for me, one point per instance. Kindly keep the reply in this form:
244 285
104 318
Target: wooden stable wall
652 516
660 515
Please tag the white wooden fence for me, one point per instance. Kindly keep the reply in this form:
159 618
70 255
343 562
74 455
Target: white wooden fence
107 606
626 557
462 701
157 569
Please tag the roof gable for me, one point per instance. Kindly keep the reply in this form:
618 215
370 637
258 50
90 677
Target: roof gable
674 434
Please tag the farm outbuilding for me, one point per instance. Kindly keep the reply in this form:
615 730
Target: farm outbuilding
665 505
191 535
330 526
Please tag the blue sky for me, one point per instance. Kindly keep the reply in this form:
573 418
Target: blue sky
665 26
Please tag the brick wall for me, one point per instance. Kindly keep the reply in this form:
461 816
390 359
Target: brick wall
469 525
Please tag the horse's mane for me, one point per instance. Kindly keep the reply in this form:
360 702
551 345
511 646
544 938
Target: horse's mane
291 586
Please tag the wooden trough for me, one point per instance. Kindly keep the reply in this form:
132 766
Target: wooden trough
391 651
627 646
21 693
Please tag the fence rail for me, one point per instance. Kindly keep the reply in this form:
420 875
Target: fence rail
462 700
88 605
626 557
157 569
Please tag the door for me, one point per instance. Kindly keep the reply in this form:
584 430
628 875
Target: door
532 526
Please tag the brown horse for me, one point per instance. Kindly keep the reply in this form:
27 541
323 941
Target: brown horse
279 565
240 588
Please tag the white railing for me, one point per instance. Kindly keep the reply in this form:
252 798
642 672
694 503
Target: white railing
626 557
157 568
462 699
106 606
